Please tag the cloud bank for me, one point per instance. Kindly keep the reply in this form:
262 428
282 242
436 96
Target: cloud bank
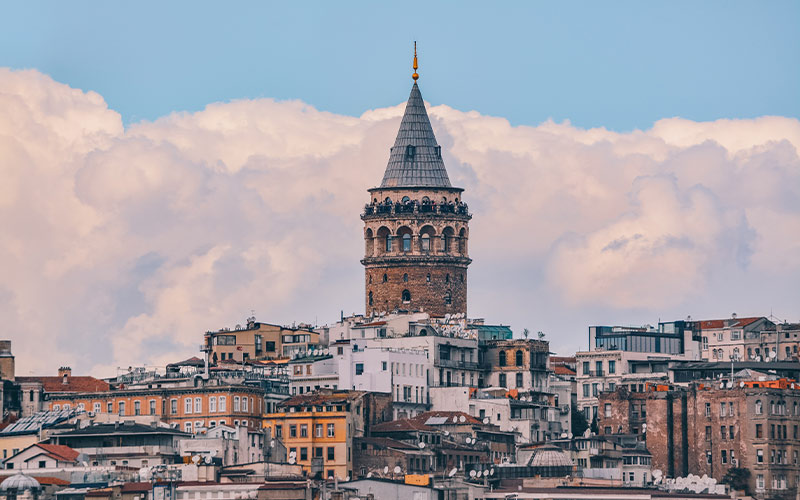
122 246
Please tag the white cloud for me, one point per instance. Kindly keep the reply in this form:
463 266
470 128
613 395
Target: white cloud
121 247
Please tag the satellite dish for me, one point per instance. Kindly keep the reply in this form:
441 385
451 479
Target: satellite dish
292 461
569 435
213 453
196 459
491 471
446 433
485 473
741 384
272 443
462 419
472 473
722 385
563 435
455 420
209 460
421 445
644 427
369 475
452 472
397 469
292 454
485 420
386 470
347 478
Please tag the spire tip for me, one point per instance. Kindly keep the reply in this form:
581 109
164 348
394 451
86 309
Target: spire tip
415 76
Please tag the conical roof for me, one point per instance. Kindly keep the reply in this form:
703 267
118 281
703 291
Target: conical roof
415 160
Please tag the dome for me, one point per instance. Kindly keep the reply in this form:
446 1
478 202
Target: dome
19 482
551 461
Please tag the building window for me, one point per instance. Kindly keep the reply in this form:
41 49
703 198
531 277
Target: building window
388 247
152 407
406 296
222 403
612 366
586 390
331 430
293 431
708 409
426 243
173 406
760 482
502 380
236 404
586 368
187 426
370 298
502 357
212 404
331 453
303 453
137 407
448 298
359 368
595 390
303 430
187 405
406 242
428 277
760 456
405 277
97 407
122 407
519 380
318 430
198 405
410 152
759 408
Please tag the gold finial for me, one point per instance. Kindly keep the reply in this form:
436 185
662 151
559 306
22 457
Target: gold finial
415 75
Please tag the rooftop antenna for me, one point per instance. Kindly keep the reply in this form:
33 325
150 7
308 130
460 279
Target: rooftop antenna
415 76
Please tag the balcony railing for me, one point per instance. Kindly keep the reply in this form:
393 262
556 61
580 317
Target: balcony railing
461 365
413 207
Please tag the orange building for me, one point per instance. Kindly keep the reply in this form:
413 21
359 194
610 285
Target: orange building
258 340
189 408
318 428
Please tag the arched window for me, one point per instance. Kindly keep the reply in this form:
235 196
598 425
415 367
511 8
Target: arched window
406 242
462 241
426 243
405 199
448 299
519 380
759 408
502 358
368 243
370 298
518 358
385 278
388 244
405 278
406 296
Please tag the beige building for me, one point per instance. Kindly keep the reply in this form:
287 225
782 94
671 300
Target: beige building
258 340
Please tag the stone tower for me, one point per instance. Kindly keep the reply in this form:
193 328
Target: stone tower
416 226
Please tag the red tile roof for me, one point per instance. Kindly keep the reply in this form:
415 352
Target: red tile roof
59 452
44 480
74 384
713 324
136 487
563 370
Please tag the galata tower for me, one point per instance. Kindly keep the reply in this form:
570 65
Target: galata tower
416 225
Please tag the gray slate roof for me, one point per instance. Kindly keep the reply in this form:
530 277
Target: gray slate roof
425 167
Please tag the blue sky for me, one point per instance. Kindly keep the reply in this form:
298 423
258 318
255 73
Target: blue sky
622 65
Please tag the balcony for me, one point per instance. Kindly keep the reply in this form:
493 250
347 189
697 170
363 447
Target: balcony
415 207
459 365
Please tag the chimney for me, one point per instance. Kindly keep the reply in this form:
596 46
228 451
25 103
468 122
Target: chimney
65 372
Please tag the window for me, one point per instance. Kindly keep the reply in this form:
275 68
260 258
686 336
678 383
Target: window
502 380
595 390
426 243
760 456
97 408
759 431
245 405
359 368
173 406
519 380
303 430
428 277
222 404
388 248
331 451
723 433
708 409
293 431
198 405
722 409
406 242
331 430
137 407
303 453
759 408
760 482
406 296
598 367
607 409
318 452
405 278
612 366
122 407
518 358
708 433
236 403
187 405
187 426
152 407
502 358
212 404
318 430
586 390
724 456
278 431
448 298
410 151
730 432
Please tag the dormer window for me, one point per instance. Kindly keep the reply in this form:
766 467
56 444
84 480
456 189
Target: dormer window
439 152
410 151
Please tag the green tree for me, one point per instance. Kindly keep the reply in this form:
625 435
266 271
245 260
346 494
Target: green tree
737 478
579 423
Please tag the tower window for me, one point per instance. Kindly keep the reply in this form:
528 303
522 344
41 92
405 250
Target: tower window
406 242
426 243
428 278
370 279
385 278
462 277
388 242
448 299
370 298
447 278
405 278
439 152
410 151
406 296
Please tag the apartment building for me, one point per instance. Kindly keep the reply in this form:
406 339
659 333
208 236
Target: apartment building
728 339
258 340
179 403
318 429
714 426
516 364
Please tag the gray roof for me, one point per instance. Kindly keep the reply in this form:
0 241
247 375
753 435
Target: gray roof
425 167
41 420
